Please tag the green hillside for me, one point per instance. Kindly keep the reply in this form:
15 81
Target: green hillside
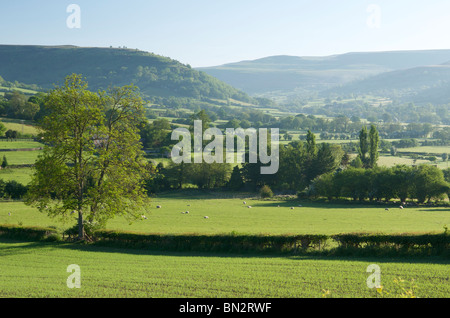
155 75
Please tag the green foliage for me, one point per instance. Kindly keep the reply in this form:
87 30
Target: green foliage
374 141
236 181
207 175
265 192
2 129
35 233
363 146
422 183
155 75
94 165
155 134
4 162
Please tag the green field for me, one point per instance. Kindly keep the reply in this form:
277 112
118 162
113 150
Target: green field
24 127
231 215
390 161
20 144
21 157
427 149
21 175
30 269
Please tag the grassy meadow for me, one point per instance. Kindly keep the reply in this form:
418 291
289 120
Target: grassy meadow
228 215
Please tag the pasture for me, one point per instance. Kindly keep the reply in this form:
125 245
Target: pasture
21 157
229 214
22 126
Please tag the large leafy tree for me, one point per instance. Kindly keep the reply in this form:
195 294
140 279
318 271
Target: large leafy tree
93 164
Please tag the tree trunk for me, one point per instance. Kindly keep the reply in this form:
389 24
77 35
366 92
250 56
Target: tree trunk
81 232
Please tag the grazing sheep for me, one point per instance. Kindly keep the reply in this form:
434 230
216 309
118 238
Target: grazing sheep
206 217
158 207
187 212
244 202
182 212
144 217
249 206
401 207
278 206
292 208
386 209
9 213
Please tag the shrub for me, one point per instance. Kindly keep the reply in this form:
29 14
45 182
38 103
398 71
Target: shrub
266 192
15 190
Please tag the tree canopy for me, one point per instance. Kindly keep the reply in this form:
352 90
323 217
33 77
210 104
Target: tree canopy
92 164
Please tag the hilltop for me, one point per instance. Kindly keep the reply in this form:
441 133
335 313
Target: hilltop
155 75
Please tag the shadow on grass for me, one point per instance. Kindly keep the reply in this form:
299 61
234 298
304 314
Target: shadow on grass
197 194
17 247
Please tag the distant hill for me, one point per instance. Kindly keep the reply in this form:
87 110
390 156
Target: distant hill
155 75
419 84
290 75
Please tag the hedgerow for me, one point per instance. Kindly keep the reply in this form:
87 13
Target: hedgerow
339 244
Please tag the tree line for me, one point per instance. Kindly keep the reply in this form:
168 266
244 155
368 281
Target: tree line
422 183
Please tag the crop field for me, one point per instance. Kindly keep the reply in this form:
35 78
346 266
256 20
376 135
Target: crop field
30 269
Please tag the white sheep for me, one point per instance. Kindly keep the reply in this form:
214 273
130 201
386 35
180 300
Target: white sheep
292 208
9 213
206 217
244 202
387 209
401 207
249 206
158 207
187 212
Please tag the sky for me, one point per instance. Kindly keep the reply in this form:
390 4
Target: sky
215 32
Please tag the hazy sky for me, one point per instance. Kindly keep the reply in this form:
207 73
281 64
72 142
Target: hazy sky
214 32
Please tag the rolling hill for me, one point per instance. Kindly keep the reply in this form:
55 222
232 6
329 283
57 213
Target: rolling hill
290 75
418 84
155 75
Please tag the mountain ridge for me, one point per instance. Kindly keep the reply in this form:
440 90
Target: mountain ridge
286 75
155 75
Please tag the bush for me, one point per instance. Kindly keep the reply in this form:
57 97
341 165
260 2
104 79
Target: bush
266 192
14 189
